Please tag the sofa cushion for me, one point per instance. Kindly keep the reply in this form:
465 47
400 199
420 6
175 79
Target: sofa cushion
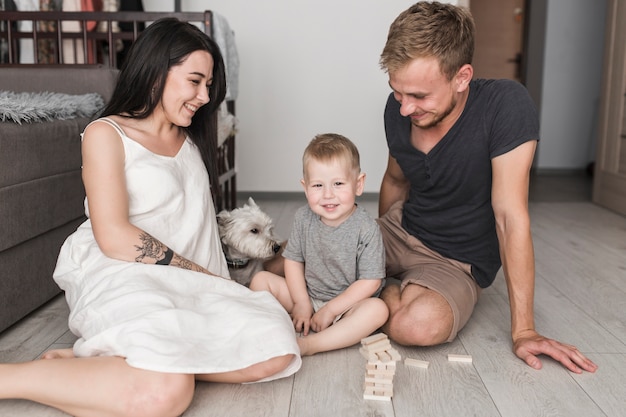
26 274
35 207
32 151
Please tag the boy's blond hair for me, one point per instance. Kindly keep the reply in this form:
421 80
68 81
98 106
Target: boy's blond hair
430 30
329 147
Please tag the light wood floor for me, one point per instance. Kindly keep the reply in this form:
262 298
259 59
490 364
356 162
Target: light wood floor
580 299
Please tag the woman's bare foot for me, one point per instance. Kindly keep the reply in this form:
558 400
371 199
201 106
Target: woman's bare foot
59 354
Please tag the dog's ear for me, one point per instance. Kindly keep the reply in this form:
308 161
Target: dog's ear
251 202
224 221
223 216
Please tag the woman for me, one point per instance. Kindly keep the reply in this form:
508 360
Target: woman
145 278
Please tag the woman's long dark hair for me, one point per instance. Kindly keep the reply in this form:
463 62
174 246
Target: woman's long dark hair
162 45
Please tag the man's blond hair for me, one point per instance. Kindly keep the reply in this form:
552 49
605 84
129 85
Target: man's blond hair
430 30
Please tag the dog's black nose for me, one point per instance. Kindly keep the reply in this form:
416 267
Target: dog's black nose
276 248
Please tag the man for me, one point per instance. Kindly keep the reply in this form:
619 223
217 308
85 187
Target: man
454 198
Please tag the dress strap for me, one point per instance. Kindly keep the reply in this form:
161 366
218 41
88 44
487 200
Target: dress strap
111 123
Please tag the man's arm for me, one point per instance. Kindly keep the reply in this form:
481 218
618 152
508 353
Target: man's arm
394 187
511 176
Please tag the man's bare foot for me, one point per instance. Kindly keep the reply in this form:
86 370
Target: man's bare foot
59 354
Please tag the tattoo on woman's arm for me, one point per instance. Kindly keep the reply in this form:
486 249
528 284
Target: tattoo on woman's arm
183 263
153 249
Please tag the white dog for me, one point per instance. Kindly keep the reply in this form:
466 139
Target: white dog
248 239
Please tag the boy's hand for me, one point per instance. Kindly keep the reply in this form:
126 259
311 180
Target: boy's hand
322 319
301 317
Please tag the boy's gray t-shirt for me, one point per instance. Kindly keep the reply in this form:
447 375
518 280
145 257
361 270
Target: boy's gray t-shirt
335 257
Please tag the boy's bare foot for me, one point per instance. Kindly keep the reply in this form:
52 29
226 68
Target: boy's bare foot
276 264
304 343
59 354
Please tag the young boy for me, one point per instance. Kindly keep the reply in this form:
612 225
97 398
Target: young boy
334 259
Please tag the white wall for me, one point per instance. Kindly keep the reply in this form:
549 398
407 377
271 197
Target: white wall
307 67
572 76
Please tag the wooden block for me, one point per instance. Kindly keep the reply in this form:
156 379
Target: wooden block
373 338
459 358
383 356
387 382
395 355
370 356
379 391
376 397
379 382
380 346
416 363
387 374
379 377
381 366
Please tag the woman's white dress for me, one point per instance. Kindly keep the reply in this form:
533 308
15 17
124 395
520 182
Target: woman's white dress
164 318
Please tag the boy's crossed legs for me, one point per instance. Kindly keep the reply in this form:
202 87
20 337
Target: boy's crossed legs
358 321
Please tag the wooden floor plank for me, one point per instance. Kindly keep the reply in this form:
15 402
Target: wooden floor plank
584 288
266 399
558 317
607 387
27 339
444 389
585 234
332 384
517 389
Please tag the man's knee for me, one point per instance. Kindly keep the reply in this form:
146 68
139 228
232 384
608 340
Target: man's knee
425 321
409 331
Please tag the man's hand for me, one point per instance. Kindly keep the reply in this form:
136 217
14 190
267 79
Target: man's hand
529 344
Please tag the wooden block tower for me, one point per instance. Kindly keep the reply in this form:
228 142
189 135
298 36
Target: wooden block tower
380 368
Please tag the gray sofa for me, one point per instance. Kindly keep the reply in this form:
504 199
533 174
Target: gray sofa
41 191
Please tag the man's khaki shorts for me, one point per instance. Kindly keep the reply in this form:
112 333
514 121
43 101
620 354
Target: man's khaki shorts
410 261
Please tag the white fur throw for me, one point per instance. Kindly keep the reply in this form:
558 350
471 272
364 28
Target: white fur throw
226 124
46 106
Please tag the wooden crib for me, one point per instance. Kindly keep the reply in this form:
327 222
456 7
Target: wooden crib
96 39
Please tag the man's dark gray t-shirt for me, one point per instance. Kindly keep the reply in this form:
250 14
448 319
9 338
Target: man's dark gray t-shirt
449 205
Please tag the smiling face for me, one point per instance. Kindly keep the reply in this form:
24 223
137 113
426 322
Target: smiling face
426 95
331 188
187 88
